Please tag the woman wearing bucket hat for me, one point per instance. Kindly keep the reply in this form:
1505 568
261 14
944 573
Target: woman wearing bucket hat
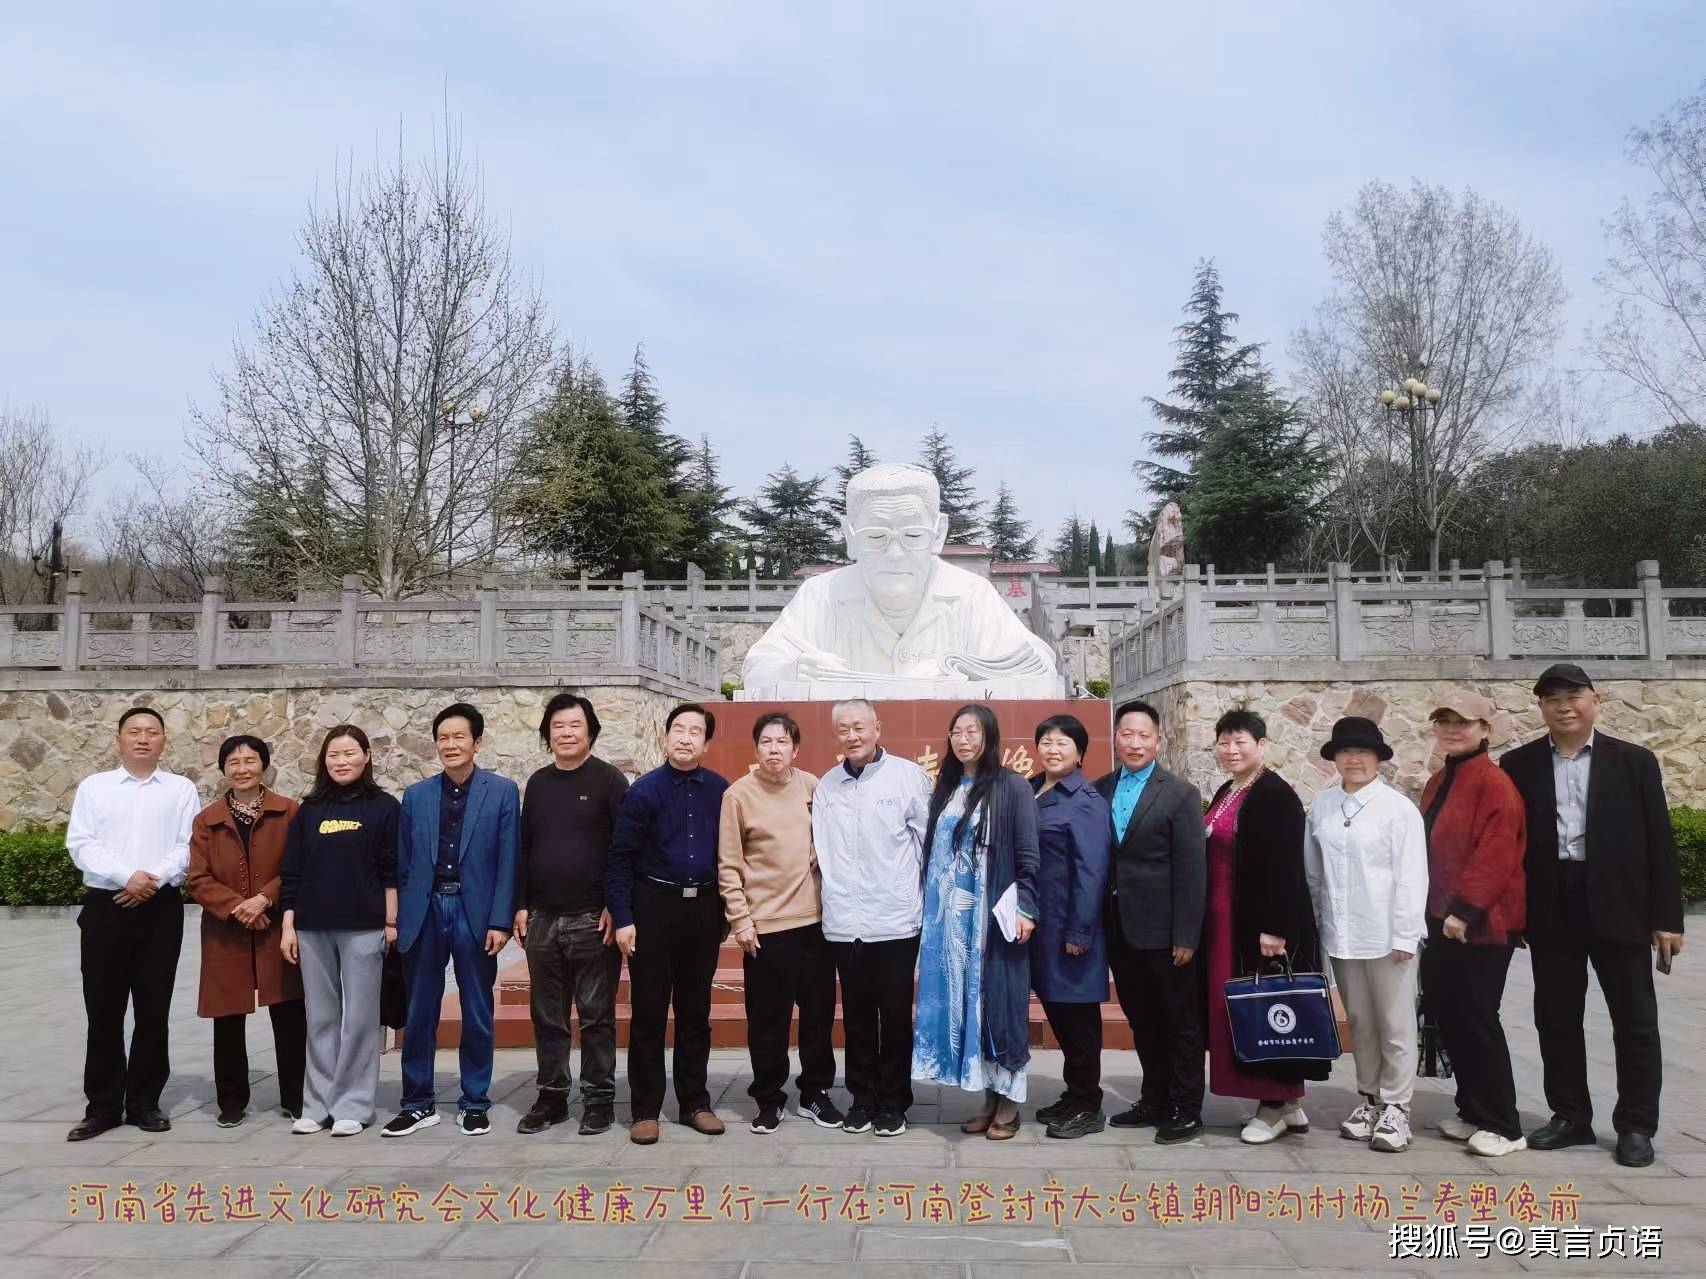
1476 907
1366 859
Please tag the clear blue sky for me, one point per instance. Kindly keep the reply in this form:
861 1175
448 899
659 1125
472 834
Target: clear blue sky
820 219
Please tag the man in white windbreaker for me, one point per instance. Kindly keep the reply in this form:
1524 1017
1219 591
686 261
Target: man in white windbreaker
868 820
1365 854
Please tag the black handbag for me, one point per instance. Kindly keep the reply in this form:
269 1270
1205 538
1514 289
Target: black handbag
393 991
1287 1017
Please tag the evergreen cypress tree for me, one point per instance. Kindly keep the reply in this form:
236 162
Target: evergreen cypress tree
1251 496
959 502
1093 549
1210 364
859 458
1010 536
1110 559
707 536
791 523
594 491
1069 551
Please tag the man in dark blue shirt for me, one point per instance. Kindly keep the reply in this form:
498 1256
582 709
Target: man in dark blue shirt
661 887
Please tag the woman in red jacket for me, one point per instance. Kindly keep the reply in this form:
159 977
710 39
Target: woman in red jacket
1476 910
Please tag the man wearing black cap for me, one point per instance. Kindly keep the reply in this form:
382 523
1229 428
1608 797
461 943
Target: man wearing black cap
1603 888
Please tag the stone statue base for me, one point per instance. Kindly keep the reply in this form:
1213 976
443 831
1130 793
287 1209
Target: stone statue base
893 688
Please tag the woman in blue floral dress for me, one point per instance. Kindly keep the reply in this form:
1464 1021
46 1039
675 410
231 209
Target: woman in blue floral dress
971 1029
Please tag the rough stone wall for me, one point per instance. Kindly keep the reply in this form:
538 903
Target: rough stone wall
50 740
1665 716
737 639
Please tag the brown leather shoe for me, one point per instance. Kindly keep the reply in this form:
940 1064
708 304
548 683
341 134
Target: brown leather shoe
977 1125
705 1121
644 1132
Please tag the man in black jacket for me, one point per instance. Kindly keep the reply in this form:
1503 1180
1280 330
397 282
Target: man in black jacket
1603 888
1157 884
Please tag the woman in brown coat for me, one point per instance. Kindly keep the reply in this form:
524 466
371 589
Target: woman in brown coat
236 846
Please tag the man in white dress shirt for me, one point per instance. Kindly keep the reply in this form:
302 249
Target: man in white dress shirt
1365 854
130 836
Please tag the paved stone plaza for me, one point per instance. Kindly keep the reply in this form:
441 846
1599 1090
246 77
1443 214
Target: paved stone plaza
41 1036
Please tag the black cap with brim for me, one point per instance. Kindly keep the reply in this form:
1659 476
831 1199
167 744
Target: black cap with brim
1355 732
1561 675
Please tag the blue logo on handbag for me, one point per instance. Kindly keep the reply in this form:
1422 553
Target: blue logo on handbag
1284 1016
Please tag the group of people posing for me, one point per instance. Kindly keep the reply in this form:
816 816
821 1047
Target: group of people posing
937 906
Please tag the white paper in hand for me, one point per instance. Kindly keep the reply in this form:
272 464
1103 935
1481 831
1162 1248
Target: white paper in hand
1007 913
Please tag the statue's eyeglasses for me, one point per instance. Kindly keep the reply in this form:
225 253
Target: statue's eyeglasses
876 539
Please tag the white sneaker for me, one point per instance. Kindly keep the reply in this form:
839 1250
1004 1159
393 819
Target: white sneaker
1490 1144
1457 1129
306 1127
1392 1133
1359 1124
1273 1120
346 1128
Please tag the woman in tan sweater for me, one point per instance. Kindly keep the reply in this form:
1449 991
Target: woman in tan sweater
768 877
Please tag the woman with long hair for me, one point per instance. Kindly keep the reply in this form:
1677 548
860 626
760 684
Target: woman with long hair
974 985
339 898
236 849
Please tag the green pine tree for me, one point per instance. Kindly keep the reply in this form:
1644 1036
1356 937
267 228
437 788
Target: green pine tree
1011 538
1110 559
596 493
707 537
791 523
859 458
1252 491
1093 549
1070 549
959 502
1211 364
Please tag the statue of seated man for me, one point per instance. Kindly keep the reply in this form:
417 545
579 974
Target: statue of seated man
899 613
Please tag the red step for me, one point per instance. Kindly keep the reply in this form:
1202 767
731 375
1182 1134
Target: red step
513 1023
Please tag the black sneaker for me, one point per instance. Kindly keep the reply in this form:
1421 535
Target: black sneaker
1177 1127
231 1118
596 1119
1080 1123
407 1121
1142 1115
545 1112
474 1123
858 1120
768 1121
890 1123
1057 1110
821 1111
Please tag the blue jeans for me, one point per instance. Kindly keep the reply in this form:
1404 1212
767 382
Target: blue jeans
447 936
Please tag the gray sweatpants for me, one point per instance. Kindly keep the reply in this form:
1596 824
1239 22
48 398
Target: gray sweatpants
341 971
1380 1003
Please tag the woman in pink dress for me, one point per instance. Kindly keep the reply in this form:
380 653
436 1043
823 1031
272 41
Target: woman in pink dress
1258 910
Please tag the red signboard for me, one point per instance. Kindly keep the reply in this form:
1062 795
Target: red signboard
916 729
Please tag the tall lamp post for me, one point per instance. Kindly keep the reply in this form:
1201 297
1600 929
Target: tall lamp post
454 424
1413 403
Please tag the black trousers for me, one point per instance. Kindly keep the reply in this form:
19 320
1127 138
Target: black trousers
129 958
1625 972
1078 1030
1160 1000
568 962
792 967
877 984
231 1056
1463 986
672 967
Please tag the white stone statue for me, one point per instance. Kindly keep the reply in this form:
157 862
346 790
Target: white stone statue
1166 549
899 621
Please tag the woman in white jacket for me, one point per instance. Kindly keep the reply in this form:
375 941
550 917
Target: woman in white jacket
1365 855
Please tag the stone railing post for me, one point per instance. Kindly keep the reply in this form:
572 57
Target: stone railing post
489 620
348 623
1655 610
1347 616
139 638
71 622
1090 593
751 587
1196 624
695 588
628 632
207 641
1499 629
7 629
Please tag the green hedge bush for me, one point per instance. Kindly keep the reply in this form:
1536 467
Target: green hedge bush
35 869
1690 827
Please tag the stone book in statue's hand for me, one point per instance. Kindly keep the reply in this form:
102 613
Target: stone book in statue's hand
1017 663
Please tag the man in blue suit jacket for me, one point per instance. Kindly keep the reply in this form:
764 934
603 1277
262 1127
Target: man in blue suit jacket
456 857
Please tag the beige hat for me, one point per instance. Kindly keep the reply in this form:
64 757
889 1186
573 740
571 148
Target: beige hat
1470 705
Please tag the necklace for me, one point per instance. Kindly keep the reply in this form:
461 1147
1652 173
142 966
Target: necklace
1231 798
1350 815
